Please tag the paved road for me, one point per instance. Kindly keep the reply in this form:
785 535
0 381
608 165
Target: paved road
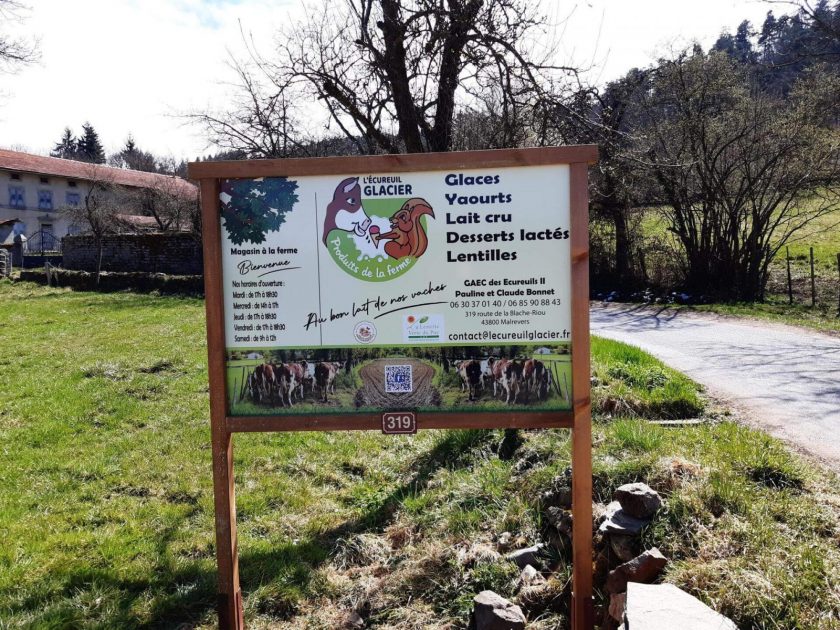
787 379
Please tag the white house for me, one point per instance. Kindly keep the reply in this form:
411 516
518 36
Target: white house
34 189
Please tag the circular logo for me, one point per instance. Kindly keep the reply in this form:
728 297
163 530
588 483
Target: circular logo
364 332
372 238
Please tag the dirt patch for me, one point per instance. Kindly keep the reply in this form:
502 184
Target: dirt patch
164 365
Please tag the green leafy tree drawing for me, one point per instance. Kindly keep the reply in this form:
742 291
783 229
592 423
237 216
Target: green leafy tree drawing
253 207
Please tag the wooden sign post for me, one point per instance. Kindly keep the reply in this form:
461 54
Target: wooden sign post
386 270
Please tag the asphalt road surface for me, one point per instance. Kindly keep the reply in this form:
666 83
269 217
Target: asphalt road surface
785 379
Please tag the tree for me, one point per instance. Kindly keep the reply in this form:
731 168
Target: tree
738 46
14 51
738 171
170 202
392 75
820 14
67 147
251 208
610 118
98 214
89 148
262 122
134 158
789 45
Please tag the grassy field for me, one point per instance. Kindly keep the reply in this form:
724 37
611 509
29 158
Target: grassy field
106 511
823 234
774 309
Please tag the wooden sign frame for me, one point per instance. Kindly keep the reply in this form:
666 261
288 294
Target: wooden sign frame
578 419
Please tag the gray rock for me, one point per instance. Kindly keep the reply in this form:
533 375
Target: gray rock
638 500
624 547
643 568
665 607
526 556
560 519
504 540
560 497
617 603
617 521
530 577
493 612
353 621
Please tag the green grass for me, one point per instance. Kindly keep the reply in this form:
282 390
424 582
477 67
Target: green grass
631 382
823 234
106 511
775 309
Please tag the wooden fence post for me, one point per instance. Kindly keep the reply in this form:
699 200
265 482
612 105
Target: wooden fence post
838 284
813 282
790 282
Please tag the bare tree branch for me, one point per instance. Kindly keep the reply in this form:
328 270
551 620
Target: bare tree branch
15 51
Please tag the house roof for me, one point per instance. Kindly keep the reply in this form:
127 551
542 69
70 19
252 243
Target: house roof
72 169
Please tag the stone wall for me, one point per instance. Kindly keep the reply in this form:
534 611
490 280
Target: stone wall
174 253
117 281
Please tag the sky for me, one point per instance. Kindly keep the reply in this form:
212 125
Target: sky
136 66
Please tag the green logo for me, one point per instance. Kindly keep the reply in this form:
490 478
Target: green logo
375 239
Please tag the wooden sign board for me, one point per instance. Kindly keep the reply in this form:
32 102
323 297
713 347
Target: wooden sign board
398 293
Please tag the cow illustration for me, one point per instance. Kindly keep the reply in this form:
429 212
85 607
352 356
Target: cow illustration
535 378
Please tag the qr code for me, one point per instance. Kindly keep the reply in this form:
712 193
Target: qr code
398 379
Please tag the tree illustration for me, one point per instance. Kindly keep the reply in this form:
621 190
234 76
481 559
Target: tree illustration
253 207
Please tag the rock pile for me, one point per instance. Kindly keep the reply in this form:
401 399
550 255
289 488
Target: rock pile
619 561
494 612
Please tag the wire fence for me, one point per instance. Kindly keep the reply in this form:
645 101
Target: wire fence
818 289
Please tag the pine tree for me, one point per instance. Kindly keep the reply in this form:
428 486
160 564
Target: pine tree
89 147
66 147
252 208
135 158
743 43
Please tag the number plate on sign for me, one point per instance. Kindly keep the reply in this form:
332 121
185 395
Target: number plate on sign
399 422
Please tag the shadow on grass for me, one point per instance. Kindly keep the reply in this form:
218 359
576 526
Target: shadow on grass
181 591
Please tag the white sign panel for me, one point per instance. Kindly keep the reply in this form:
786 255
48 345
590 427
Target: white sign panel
444 267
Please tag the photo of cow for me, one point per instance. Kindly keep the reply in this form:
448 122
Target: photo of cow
353 380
